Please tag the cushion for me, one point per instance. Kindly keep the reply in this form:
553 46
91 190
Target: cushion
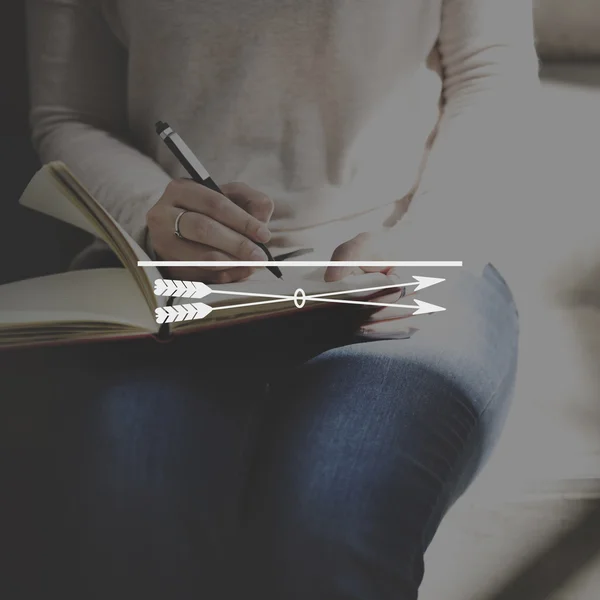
568 29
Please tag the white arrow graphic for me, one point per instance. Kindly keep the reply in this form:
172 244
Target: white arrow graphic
300 263
181 289
422 308
182 312
426 308
199 310
424 282
195 289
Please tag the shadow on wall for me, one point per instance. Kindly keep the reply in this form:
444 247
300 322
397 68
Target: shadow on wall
31 244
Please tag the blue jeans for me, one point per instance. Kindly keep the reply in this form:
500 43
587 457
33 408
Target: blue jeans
193 478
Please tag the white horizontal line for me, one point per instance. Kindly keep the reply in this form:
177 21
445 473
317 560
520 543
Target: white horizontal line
292 263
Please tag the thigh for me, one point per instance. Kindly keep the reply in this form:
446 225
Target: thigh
454 378
134 469
369 444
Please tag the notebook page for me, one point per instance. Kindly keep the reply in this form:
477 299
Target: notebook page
55 192
99 295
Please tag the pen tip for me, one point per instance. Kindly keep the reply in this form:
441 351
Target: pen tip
160 126
276 271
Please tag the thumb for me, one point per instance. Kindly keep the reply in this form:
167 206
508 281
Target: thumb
348 251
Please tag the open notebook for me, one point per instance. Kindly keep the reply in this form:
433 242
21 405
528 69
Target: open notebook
102 304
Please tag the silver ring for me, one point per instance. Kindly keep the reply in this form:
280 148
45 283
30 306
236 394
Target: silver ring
177 220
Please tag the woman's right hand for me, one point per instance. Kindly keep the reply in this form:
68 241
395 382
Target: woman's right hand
216 228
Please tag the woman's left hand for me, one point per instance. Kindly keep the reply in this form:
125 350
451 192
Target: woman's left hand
380 246
367 247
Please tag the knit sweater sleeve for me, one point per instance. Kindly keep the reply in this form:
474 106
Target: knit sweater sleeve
78 87
478 163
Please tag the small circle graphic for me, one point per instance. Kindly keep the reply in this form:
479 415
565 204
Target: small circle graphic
299 298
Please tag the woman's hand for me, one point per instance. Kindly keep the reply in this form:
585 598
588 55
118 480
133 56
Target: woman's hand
390 245
381 246
367 247
216 228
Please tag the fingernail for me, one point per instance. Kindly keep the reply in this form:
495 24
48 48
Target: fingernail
258 254
263 234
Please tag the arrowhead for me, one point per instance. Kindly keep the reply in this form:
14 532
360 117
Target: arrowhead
200 290
426 308
201 310
425 282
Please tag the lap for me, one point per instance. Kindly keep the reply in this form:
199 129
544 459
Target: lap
471 348
367 445
174 442
472 345
141 463
438 399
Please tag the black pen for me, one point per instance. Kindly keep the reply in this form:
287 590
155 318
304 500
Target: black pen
197 172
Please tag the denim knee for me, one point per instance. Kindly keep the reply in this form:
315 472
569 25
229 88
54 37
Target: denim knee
359 488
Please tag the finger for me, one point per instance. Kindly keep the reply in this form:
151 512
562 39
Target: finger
170 247
348 251
232 275
396 329
252 201
191 196
384 270
200 228
209 275
391 297
390 314
186 250
376 314
394 278
373 249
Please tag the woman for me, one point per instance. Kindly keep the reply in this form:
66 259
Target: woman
351 127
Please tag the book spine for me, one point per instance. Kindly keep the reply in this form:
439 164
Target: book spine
164 332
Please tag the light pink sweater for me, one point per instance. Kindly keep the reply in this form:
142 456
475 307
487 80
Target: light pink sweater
328 106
